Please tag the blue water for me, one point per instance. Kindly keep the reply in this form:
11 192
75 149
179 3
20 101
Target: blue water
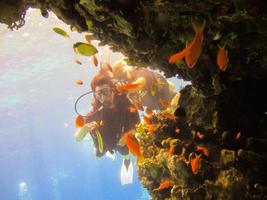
39 158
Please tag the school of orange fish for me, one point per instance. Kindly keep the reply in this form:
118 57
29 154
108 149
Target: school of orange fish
193 50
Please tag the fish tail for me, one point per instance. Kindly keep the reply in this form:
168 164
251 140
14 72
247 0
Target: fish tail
198 28
221 47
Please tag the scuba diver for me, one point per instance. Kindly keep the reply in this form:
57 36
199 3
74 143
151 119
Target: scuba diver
108 120
143 85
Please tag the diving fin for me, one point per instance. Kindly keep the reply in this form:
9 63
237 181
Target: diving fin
126 172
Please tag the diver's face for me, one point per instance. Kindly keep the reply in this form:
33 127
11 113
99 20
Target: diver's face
104 94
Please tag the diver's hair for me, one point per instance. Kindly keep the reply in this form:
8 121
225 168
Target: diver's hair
101 79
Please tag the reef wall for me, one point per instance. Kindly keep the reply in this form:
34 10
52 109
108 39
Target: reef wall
222 115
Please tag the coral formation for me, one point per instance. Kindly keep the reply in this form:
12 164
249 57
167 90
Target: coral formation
215 148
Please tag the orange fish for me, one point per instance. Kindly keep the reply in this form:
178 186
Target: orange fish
204 150
79 121
177 130
222 58
193 50
147 120
95 61
149 111
195 164
132 110
165 103
200 135
139 106
130 86
88 38
178 56
168 115
133 145
78 62
165 184
193 55
79 82
238 135
152 128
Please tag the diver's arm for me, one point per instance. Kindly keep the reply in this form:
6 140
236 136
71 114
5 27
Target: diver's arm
83 131
90 125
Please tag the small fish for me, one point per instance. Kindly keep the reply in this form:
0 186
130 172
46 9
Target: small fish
79 121
191 59
196 47
165 103
133 145
168 115
88 38
152 128
204 150
139 106
95 61
200 135
127 87
132 110
79 82
177 130
134 86
78 62
84 49
165 184
60 32
222 58
147 120
178 56
193 50
195 164
149 111
238 135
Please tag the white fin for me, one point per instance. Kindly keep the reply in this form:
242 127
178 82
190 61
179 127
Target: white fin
111 156
126 174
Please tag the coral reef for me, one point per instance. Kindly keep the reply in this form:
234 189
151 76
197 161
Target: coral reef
215 147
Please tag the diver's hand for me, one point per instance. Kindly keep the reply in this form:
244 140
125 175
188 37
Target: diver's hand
91 126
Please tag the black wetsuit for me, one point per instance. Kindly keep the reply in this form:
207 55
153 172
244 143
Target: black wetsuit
116 121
